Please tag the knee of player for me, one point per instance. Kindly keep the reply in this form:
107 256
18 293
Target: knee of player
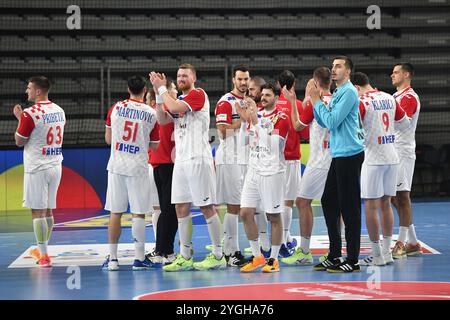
246 214
402 198
302 204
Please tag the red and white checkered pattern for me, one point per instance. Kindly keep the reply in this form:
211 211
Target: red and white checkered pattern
130 133
35 157
379 124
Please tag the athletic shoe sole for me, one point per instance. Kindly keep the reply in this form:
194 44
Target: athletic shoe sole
414 254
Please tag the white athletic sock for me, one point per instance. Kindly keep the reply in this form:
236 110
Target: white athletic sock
50 223
412 238
304 244
138 232
261 221
286 216
387 244
232 233
213 224
155 217
254 244
226 240
40 232
402 234
275 251
113 251
185 241
376 248
214 233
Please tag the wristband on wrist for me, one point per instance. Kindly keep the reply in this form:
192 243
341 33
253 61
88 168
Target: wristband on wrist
159 99
162 90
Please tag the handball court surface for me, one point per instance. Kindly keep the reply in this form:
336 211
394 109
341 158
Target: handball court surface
78 248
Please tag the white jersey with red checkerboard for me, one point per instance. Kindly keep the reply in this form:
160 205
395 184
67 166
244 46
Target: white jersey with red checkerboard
133 126
43 125
379 111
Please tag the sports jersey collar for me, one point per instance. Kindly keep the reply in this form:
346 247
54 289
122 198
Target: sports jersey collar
268 115
135 100
342 87
402 92
236 96
44 102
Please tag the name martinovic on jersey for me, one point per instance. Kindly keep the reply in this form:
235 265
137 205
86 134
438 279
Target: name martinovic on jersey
134 114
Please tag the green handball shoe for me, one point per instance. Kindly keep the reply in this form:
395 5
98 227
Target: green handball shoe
179 264
211 263
299 258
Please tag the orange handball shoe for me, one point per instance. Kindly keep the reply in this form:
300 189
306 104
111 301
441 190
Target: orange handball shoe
271 266
253 264
413 250
44 262
35 253
399 250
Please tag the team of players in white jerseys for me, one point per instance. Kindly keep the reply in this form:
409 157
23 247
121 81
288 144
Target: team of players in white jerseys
250 174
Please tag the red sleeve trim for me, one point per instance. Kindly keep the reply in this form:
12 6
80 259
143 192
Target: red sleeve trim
195 99
362 110
409 104
154 134
282 126
224 113
26 125
399 112
307 115
108 117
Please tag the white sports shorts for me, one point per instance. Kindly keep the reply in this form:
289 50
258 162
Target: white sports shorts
266 192
153 189
194 181
230 180
293 176
123 190
378 181
40 188
405 174
313 183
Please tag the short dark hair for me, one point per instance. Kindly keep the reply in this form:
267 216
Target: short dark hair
286 78
41 82
240 67
323 74
407 67
272 87
360 79
348 62
259 81
188 66
136 84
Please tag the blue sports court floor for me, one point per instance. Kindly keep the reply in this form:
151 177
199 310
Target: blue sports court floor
425 277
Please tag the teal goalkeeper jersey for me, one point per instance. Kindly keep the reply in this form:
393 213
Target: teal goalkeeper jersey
342 118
